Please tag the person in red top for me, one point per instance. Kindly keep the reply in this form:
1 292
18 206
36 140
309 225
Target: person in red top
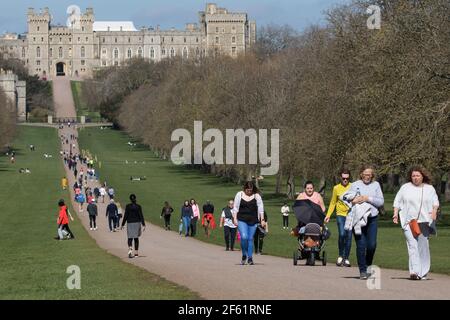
63 221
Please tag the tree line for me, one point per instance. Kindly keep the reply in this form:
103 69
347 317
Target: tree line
341 94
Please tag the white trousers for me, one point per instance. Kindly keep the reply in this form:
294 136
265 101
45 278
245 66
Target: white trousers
418 250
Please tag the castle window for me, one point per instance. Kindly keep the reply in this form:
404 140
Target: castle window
60 39
82 29
60 52
50 53
79 39
152 53
103 40
233 51
233 39
23 52
233 28
87 39
38 52
104 51
184 39
163 51
140 52
129 53
129 40
116 53
162 39
70 39
83 62
197 51
196 40
34 39
70 52
172 52
217 29
217 40
83 52
152 40
171 39
42 39
115 40
38 29
185 52
38 62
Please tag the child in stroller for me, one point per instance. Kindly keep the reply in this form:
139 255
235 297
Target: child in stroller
311 233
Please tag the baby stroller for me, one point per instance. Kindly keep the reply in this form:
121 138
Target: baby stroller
311 233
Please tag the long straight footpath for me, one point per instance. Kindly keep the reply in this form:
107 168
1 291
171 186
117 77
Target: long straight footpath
217 274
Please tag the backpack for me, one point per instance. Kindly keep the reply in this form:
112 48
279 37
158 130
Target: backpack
228 214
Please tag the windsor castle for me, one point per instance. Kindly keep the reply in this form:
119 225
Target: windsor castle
87 45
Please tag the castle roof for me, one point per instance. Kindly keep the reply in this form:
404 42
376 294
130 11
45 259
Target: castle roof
114 26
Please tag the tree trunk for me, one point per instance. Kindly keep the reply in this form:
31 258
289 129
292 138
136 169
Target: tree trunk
447 188
290 186
390 185
278 184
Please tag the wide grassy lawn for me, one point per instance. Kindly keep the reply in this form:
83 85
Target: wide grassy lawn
167 182
33 264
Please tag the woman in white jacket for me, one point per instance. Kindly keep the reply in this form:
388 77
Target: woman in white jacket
417 199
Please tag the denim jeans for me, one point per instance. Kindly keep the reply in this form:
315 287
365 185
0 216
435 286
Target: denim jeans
247 233
345 238
187 223
366 244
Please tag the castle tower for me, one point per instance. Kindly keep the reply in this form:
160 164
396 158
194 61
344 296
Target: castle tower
38 41
83 45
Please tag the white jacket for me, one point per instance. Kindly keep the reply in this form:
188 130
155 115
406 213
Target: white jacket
358 214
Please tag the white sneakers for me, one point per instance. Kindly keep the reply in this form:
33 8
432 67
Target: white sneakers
339 261
130 253
347 263
91 229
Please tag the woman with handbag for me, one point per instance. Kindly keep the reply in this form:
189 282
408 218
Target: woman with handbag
248 210
416 203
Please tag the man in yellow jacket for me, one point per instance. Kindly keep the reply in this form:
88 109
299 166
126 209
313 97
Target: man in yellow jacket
345 237
64 183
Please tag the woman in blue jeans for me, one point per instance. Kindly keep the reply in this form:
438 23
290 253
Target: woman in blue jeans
368 191
247 211
186 216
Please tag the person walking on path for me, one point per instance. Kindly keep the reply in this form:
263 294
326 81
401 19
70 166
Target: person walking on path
248 210
310 194
81 199
186 216
119 214
195 216
345 236
166 212
417 201
64 183
63 221
134 219
260 234
93 212
112 215
229 228
102 193
208 221
368 191
285 213
111 193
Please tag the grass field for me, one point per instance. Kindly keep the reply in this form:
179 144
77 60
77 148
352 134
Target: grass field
81 107
175 184
33 264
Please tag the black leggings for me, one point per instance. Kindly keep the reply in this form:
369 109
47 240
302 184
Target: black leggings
167 221
285 221
92 222
136 243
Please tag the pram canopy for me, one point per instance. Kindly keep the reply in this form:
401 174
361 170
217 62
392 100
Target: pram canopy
307 211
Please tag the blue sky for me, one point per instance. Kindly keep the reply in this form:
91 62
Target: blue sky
169 13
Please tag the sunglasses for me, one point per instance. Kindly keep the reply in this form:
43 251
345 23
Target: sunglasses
345 178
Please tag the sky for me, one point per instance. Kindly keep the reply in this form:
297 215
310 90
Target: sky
169 13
